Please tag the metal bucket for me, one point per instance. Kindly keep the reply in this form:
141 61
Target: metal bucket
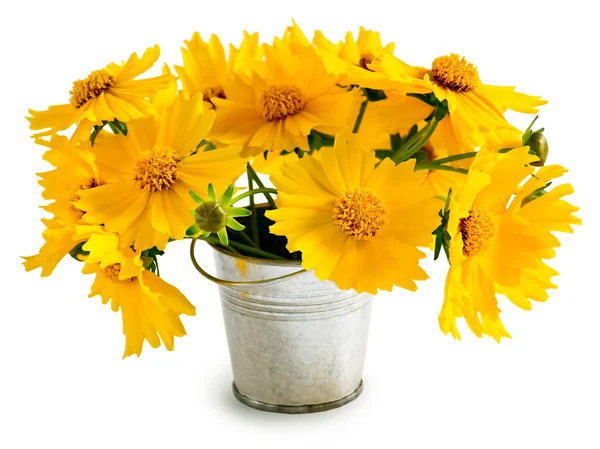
297 344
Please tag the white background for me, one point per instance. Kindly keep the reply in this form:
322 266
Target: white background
62 381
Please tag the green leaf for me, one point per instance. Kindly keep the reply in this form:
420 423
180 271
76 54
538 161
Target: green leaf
193 230
442 237
375 94
535 194
223 237
234 224
197 198
78 253
237 212
212 195
395 142
226 198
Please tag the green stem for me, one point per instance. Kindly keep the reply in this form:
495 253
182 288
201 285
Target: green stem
156 265
415 143
252 192
441 167
246 248
359 117
456 157
253 217
246 238
262 186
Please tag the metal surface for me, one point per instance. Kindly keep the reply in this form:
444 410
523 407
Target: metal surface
297 409
296 342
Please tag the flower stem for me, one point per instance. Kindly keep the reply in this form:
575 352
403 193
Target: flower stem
253 217
246 248
246 238
441 167
414 144
260 184
252 192
359 117
456 157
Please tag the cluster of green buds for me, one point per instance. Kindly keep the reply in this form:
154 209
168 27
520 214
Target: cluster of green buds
215 215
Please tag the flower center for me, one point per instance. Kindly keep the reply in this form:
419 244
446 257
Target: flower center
360 214
279 102
157 169
477 231
367 59
89 184
213 92
455 73
84 90
112 273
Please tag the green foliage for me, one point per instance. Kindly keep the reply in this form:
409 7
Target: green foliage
535 194
116 127
374 94
78 253
442 237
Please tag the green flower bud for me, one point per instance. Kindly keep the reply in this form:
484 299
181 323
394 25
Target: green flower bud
538 145
210 217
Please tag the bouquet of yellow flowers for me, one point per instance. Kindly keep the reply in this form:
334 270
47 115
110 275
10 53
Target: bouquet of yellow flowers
372 162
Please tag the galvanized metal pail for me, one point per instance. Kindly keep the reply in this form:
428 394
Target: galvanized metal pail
297 344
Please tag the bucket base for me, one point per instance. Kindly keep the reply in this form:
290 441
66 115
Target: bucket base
297 409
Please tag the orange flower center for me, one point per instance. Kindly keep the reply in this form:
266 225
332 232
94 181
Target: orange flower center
367 59
157 169
213 92
477 231
455 73
279 102
112 272
89 184
360 213
84 90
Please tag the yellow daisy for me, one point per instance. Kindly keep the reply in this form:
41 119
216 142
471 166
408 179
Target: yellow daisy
75 170
355 224
204 68
288 94
106 94
148 175
356 60
59 240
150 307
501 230
476 110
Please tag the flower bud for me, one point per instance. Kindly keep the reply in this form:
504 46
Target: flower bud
210 217
539 145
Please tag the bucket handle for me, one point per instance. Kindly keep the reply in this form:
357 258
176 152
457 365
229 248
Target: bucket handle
227 283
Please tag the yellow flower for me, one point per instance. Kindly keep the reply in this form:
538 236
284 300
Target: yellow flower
476 110
148 175
204 68
356 59
275 108
500 233
150 307
59 240
75 170
106 94
356 225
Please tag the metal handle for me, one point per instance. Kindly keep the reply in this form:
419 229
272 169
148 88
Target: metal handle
227 283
